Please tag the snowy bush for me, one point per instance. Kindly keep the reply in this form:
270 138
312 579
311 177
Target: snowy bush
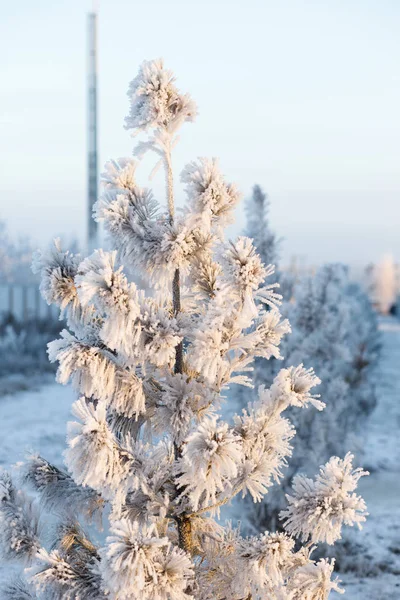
148 450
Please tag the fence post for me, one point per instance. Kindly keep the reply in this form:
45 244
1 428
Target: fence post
37 303
24 302
10 299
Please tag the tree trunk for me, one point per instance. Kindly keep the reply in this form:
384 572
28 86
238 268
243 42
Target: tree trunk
183 522
185 533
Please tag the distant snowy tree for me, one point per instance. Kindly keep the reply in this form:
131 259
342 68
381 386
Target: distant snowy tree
334 328
258 227
148 450
384 284
265 240
365 344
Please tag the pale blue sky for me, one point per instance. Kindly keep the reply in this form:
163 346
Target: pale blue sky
302 97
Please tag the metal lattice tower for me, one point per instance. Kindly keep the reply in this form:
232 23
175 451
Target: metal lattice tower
92 173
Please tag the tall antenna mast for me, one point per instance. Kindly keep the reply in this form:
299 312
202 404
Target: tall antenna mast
92 174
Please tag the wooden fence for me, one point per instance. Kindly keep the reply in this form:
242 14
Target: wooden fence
24 302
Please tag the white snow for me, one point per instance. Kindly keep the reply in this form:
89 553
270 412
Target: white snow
34 421
381 491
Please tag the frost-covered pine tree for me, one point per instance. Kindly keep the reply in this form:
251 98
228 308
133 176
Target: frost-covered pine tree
265 240
258 226
334 328
148 453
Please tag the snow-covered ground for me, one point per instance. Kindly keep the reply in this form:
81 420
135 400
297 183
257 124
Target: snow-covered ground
380 537
33 421
36 421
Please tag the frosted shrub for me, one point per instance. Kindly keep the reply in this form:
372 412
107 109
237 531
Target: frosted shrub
148 452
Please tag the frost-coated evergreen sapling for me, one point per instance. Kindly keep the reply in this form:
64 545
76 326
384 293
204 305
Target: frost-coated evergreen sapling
148 450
